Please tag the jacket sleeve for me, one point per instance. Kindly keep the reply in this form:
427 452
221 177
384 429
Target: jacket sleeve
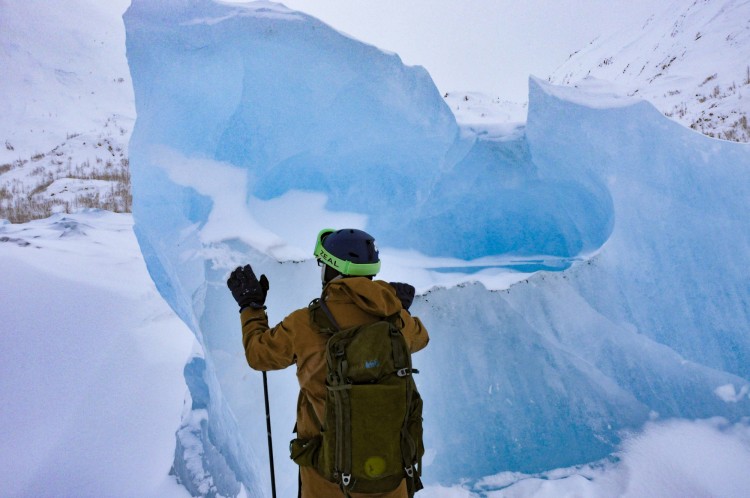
414 332
266 348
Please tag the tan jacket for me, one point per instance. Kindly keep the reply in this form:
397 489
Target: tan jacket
352 301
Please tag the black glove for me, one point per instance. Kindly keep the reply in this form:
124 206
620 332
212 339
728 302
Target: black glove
246 289
404 293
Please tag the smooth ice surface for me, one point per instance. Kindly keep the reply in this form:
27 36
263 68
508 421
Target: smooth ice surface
257 126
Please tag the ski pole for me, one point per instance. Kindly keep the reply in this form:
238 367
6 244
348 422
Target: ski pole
270 439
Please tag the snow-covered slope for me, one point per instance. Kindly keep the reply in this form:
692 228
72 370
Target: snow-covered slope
90 365
690 59
480 114
64 73
66 108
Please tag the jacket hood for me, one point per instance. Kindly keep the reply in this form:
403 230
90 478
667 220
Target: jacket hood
377 297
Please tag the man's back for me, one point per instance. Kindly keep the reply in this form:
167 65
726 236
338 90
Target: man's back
349 260
352 301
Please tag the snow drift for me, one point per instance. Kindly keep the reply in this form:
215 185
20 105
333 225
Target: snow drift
257 126
90 368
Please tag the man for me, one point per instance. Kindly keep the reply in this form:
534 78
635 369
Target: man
349 260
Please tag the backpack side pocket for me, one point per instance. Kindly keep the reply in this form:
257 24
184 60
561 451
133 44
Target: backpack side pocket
305 451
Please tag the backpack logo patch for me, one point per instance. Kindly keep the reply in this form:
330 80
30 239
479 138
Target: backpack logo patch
374 466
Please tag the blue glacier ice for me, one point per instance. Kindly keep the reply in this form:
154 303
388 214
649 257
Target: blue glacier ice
257 126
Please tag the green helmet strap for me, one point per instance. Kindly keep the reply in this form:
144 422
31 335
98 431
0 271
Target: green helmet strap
342 266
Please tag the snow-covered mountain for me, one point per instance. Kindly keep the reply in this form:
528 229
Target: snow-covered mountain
691 59
66 110
64 73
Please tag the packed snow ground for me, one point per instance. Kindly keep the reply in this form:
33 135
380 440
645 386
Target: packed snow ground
91 378
91 364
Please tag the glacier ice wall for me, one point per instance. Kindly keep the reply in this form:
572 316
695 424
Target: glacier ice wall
551 368
292 104
245 109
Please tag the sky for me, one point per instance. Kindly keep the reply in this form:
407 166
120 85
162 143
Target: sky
491 46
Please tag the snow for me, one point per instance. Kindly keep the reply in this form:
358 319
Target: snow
67 106
489 118
70 188
71 80
689 58
729 394
91 363
668 459
596 350
671 458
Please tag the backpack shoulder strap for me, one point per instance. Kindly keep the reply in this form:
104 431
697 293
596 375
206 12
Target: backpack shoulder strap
321 316
329 315
395 320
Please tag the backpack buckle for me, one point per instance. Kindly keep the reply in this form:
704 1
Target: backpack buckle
346 479
403 372
409 470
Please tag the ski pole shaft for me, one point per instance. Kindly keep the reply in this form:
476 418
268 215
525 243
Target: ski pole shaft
270 439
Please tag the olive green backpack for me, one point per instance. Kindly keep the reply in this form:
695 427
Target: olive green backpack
371 437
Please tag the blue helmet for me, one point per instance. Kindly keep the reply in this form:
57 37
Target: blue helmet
349 251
